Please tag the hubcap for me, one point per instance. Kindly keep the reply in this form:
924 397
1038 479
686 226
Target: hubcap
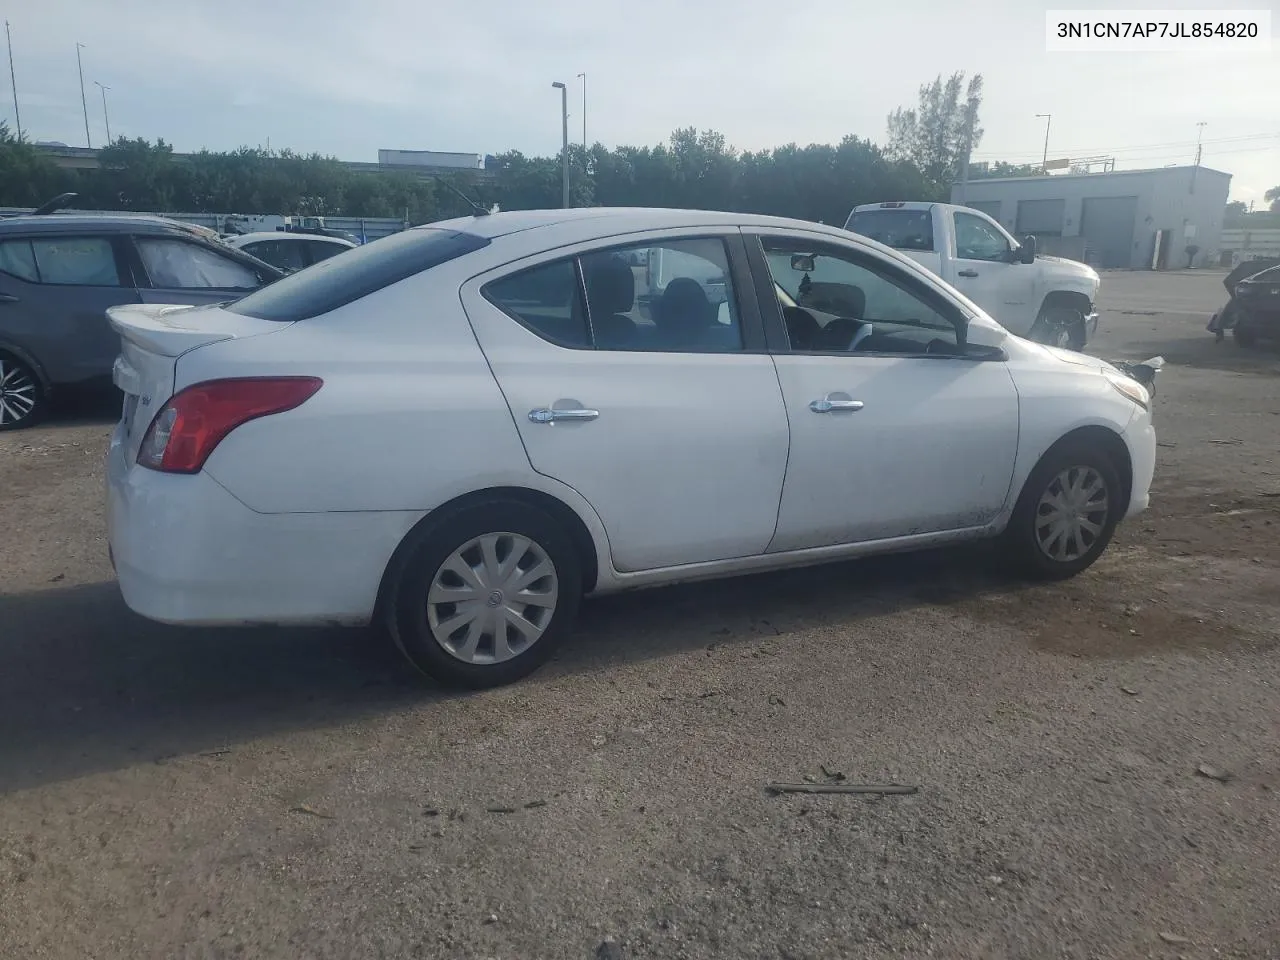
493 598
17 392
1071 514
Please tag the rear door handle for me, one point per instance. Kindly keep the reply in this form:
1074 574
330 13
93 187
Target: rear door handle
968 273
8 298
827 405
547 415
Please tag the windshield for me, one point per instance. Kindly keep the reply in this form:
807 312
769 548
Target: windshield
900 229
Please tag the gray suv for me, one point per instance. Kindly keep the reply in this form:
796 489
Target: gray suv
58 275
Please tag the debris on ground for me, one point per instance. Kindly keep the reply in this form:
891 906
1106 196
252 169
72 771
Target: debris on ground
1213 773
835 776
776 701
534 804
882 789
608 950
1129 690
311 812
430 812
1173 938
500 809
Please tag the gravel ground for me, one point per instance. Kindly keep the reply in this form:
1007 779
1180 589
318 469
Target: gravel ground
251 793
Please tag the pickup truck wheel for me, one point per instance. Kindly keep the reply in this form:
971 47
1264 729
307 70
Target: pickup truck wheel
1059 327
22 400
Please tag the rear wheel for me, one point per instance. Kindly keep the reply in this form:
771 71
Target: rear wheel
22 398
483 595
1059 327
1066 513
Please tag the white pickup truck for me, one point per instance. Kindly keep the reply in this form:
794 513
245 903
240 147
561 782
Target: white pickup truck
1047 299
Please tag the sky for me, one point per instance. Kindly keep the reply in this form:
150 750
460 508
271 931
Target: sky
346 78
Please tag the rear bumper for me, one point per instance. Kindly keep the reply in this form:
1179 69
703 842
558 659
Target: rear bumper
186 551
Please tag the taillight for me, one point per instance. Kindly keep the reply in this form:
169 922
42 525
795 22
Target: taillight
194 421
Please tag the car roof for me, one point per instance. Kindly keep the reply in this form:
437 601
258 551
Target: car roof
242 238
62 223
613 220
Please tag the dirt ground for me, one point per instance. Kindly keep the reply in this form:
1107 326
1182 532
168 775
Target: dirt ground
272 793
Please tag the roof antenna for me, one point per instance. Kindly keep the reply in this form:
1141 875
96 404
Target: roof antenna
476 208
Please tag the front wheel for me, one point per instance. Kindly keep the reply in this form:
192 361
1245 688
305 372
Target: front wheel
1059 327
22 399
1066 513
484 594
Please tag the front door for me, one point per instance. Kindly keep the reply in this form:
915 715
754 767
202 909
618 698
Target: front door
182 271
987 273
895 429
653 398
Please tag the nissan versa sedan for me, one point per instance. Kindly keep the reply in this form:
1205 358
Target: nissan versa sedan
460 430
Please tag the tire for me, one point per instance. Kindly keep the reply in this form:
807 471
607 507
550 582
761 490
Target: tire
1059 327
1243 336
1069 462
23 400
419 620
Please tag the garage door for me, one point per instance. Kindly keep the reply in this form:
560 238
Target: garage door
1041 217
1106 223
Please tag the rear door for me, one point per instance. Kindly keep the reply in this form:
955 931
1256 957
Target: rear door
54 292
659 405
177 270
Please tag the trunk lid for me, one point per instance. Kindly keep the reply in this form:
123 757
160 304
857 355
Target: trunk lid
152 338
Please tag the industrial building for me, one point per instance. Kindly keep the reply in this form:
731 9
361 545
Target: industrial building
1166 218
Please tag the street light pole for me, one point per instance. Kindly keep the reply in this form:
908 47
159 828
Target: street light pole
13 80
106 121
564 151
583 77
83 102
1048 119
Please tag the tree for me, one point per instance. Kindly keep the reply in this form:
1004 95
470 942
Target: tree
933 135
1272 197
1002 169
27 177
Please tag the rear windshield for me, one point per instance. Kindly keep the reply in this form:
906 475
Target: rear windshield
355 274
900 229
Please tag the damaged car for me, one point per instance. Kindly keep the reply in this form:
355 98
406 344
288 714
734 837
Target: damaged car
1253 311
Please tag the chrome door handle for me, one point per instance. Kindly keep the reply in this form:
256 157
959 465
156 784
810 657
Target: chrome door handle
830 406
546 415
968 273
9 298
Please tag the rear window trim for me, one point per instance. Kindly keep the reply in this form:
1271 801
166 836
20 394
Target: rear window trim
316 272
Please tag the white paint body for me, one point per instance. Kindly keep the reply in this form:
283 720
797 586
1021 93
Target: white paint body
1011 292
698 466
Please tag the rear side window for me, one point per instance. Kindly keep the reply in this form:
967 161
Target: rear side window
72 261
900 229
368 268
547 299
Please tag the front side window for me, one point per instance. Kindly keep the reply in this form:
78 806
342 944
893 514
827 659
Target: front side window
978 240
673 296
18 260
73 261
285 254
836 301
186 266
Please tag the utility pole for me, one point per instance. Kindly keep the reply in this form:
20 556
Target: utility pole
106 121
13 80
564 150
1196 167
970 113
583 77
83 102
1048 119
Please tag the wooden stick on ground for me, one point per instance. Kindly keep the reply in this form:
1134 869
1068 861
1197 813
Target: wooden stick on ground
877 788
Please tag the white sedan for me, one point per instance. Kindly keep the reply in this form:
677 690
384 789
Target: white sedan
460 430
289 250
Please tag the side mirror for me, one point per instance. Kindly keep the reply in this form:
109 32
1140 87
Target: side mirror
1027 250
802 263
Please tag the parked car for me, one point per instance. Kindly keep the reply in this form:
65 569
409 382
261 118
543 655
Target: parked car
59 274
289 251
1047 299
1253 308
459 430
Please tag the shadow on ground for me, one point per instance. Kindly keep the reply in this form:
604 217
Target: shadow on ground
86 686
